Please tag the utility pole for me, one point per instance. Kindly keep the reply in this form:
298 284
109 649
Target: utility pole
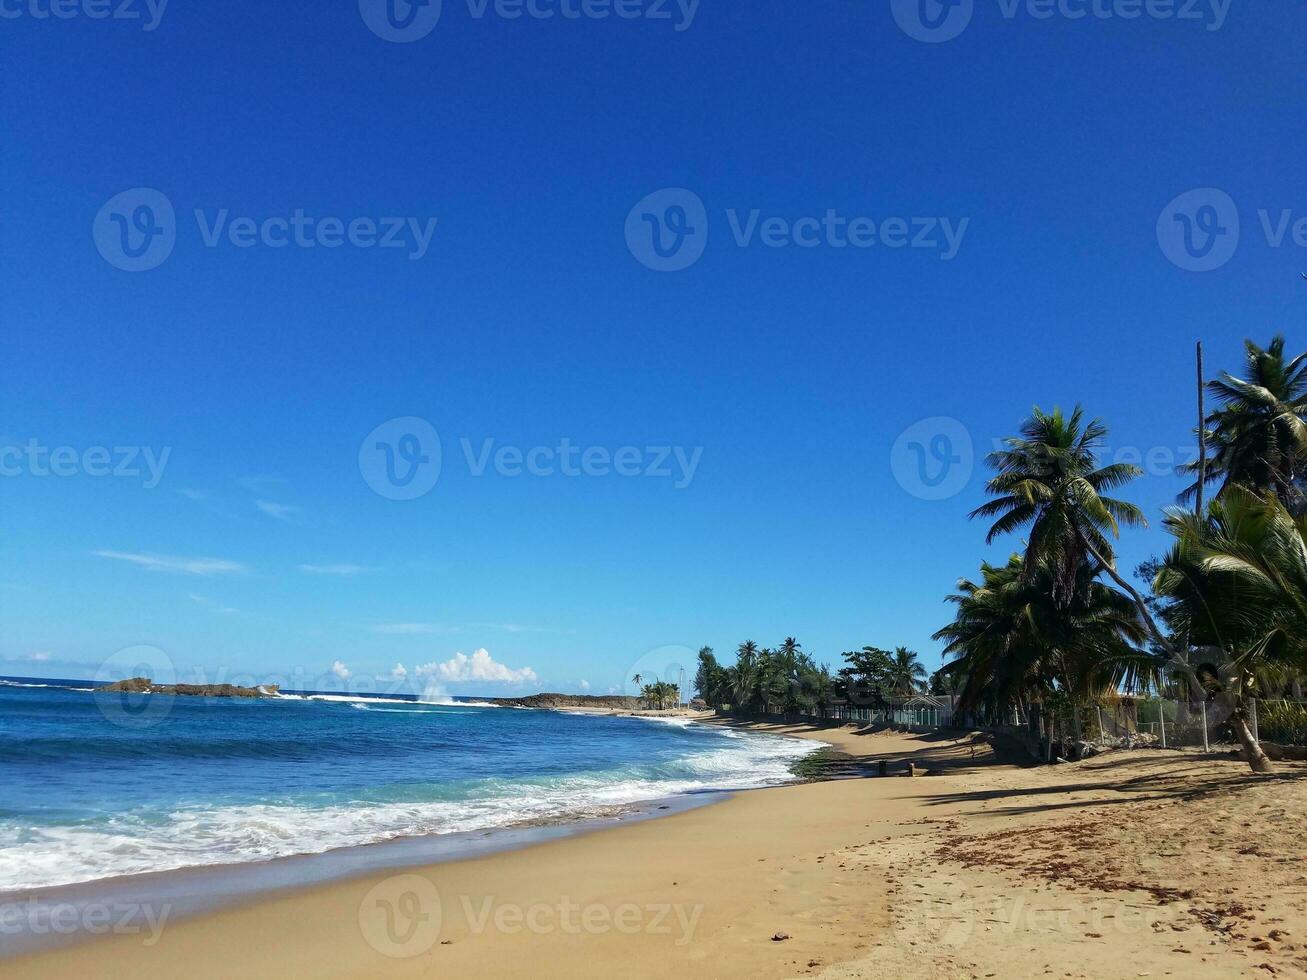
1202 437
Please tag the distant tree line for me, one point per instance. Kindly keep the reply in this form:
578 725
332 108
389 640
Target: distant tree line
786 680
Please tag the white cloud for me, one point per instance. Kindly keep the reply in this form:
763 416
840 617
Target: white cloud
584 685
400 672
187 566
478 667
282 512
341 569
340 670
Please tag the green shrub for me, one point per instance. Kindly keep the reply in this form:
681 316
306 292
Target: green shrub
1282 721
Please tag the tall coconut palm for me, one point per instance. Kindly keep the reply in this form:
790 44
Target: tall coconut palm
1258 432
1049 480
906 676
1238 577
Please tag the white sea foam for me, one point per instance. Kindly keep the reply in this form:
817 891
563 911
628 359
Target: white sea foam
32 857
62 687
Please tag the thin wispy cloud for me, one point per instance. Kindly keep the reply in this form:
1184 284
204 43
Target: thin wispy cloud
512 627
340 569
214 604
406 629
183 566
261 485
281 512
39 657
419 628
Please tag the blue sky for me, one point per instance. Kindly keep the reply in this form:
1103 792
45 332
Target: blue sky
528 316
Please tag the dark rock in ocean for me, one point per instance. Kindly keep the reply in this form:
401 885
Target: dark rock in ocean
143 685
569 701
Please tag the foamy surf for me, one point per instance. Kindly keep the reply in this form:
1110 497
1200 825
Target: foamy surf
220 783
231 835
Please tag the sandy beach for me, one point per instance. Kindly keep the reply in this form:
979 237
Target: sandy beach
1146 863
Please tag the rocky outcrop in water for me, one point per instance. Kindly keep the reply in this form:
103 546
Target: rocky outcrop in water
143 685
610 701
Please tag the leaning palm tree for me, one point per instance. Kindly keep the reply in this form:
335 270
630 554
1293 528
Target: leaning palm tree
1258 432
906 676
1049 480
1238 578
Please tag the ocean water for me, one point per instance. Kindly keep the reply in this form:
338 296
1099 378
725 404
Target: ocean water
94 786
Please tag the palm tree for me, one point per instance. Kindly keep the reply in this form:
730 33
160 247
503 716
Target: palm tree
1049 479
906 676
1258 434
742 683
1238 578
1012 642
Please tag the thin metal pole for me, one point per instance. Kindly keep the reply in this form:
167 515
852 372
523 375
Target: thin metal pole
1202 437
1256 735
1161 719
1206 747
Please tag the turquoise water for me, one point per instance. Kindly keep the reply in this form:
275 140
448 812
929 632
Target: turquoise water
96 785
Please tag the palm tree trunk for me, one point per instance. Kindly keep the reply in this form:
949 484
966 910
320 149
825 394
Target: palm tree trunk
1257 758
1131 591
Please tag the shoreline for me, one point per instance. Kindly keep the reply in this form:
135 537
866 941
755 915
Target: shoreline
1130 863
197 890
